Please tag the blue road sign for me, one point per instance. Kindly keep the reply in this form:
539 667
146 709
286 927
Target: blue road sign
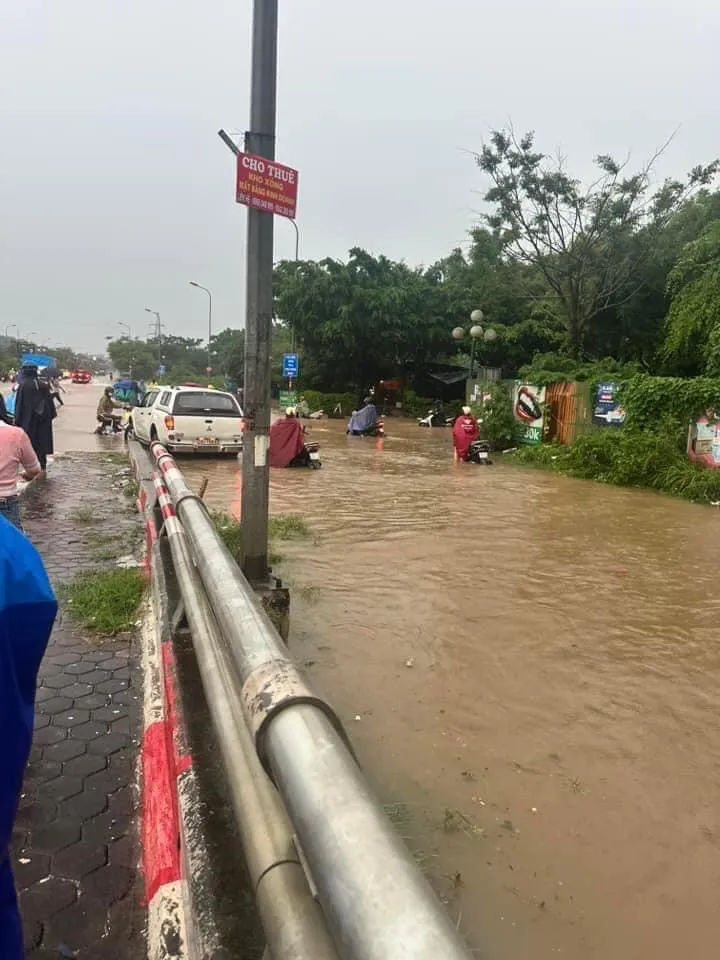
290 366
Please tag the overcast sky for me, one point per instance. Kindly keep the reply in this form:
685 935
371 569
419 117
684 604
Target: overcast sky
115 190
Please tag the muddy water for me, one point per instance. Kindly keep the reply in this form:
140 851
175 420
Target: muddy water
529 668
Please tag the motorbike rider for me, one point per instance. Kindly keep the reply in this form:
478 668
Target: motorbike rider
287 442
363 421
106 410
465 430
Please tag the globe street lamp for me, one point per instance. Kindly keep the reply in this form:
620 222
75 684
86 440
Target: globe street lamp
201 287
476 333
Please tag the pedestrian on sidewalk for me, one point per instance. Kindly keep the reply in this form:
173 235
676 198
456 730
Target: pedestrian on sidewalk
16 454
35 412
27 613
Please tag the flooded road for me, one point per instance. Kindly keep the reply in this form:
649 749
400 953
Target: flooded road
528 666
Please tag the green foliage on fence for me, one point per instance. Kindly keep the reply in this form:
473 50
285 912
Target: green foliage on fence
651 401
549 368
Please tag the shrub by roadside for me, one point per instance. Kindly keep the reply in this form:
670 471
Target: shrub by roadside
281 527
631 458
106 600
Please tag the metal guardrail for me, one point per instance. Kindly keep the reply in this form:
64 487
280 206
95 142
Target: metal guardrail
374 899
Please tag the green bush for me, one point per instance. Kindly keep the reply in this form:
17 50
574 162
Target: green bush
498 423
329 401
632 458
556 368
413 405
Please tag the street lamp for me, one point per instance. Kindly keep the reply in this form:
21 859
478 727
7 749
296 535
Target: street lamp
158 332
7 327
476 333
201 287
127 327
297 257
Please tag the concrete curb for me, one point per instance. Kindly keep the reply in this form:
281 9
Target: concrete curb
178 859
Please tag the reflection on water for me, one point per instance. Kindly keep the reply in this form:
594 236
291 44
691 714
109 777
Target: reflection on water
534 662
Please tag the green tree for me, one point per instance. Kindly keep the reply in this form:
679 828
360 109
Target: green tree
588 243
363 320
135 358
228 354
692 333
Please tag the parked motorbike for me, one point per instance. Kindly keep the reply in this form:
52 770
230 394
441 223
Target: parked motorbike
435 418
479 453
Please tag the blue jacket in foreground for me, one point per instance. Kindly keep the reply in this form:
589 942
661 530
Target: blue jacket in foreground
27 613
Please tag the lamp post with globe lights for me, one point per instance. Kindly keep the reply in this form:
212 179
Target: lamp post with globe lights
477 332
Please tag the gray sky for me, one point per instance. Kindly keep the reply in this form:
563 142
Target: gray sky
115 190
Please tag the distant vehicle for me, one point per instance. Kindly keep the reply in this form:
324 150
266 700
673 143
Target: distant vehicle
189 420
81 376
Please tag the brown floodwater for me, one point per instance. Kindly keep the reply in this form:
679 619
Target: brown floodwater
528 666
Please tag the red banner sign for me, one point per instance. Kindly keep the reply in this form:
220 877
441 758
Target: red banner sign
266 185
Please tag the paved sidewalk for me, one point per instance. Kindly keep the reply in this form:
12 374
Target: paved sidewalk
75 845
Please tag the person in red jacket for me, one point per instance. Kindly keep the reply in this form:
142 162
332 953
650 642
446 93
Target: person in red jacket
465 430
287 442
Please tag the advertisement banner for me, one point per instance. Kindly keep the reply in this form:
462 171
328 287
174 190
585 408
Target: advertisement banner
266 185
529 412
704 442
607 411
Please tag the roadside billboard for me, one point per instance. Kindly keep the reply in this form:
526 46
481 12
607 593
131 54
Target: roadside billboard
607 411
266 185
529 412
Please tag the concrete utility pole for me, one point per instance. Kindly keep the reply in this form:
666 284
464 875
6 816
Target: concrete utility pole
260 140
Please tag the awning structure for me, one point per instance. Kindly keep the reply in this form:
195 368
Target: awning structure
450 376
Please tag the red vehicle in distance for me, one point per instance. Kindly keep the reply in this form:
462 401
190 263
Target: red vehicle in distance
80 376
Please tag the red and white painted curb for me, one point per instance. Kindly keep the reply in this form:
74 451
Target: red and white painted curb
164 760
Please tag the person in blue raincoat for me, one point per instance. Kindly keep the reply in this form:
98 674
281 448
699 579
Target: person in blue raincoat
27 613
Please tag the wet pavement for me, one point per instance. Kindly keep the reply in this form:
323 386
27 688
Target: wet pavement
75 851
528 666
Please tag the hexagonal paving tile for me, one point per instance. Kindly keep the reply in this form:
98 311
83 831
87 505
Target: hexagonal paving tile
55 836
42 900
90 730
79 667
44 769
54 704
55 682
111 713
80 926
84 806
66 750
85 765
71 718
75 690
95 700
62 787
79 859
29 868
48 735
112 686
61 659
107 744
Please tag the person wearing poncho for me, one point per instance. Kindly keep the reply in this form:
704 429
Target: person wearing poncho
27 613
